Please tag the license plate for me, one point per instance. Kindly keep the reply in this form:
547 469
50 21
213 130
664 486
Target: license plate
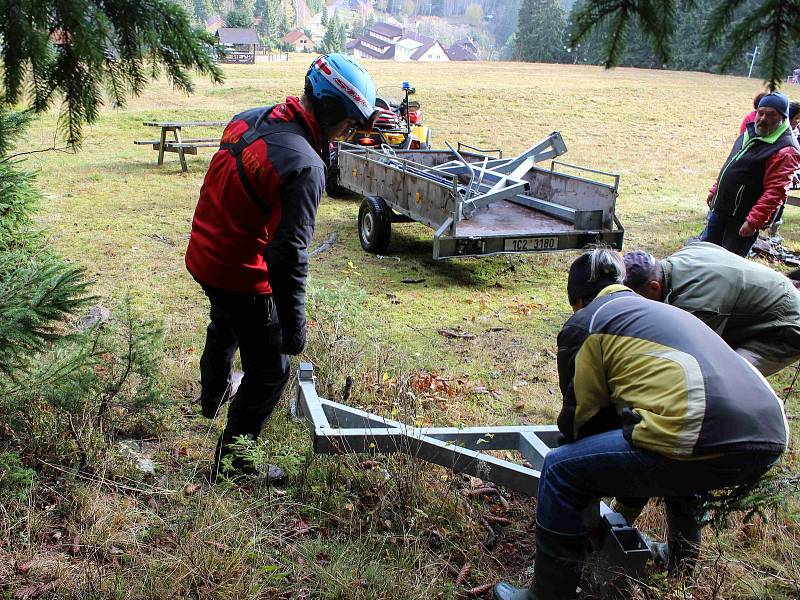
531 244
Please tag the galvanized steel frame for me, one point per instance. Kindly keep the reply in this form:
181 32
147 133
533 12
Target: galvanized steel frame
340 429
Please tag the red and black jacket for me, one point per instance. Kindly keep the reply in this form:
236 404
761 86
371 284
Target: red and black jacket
255 216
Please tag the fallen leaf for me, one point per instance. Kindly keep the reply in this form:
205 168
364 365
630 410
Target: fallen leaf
34 590
26 566
302 526
190 489
115 551
151 502
519 405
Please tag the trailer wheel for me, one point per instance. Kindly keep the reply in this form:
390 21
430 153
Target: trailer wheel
332 187
374 225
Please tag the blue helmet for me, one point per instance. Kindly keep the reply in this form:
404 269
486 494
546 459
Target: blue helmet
341 78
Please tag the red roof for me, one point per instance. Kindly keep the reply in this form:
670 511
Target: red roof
294 36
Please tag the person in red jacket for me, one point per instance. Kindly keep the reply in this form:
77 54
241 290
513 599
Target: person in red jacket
248 246
751 116
754 181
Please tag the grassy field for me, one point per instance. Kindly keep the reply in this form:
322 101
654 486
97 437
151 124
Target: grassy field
343 529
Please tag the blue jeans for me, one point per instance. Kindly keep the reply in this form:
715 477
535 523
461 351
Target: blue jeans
725 232
576 474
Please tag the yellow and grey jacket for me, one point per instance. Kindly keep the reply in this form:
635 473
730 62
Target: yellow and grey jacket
665 378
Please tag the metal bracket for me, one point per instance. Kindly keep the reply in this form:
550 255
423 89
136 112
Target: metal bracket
338 429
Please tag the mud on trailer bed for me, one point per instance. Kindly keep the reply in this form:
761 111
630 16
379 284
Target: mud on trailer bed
479 203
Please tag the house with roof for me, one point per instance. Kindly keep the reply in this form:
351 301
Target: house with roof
239 44
214 23
299 41
459 52
384 41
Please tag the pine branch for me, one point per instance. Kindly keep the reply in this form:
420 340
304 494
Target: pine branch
79 48
615 44
657 20
720 21
773 20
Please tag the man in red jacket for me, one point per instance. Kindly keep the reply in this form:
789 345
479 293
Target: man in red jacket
753 183
248 247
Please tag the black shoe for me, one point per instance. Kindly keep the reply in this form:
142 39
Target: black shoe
210 405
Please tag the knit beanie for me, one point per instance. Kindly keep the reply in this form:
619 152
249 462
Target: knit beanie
777 101
639 267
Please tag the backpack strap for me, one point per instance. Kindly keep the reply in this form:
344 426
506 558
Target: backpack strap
254 133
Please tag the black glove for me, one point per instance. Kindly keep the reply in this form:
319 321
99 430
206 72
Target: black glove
292 319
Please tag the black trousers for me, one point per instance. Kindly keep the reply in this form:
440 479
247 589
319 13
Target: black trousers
248 322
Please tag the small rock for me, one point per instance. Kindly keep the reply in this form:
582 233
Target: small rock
97 314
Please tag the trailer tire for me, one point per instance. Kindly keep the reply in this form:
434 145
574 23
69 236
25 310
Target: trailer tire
332 187
374 225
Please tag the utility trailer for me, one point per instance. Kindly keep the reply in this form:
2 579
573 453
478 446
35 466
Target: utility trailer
479 203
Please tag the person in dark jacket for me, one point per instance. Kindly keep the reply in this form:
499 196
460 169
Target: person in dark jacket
248 246
754 181
655 404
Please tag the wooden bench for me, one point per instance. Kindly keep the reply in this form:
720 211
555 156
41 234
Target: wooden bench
179 145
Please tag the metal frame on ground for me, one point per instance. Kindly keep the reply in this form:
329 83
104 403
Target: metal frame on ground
340 429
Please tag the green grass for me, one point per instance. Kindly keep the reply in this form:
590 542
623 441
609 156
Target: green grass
111 209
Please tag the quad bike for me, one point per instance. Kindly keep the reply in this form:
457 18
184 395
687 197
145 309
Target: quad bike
399 126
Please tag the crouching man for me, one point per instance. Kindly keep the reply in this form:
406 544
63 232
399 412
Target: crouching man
655 404
754 309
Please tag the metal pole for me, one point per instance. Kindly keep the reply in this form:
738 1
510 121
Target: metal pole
752 62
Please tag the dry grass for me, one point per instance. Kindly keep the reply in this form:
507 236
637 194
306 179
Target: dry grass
111 209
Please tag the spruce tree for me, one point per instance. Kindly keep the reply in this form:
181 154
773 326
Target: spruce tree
540 33
772 24
69 53
115 45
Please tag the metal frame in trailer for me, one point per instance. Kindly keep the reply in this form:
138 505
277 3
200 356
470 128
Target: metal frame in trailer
479 204
338 429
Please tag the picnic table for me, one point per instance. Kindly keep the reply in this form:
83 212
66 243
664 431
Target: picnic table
182 146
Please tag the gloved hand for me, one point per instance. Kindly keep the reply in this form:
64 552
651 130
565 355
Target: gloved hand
292 319
294 341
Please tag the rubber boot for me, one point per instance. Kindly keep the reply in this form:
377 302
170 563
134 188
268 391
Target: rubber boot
684 520
557 569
